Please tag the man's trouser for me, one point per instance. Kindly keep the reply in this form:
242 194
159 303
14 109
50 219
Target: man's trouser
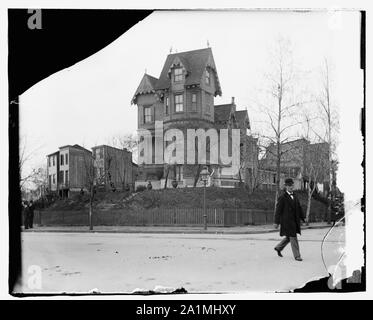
294 245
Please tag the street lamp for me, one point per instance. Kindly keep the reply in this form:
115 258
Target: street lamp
204 177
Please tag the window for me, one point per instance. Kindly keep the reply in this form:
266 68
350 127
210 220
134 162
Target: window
53 162
194 101
98 153
50 179
49 161
147 114
179 103
167 105
178 74
208 77
67 176
54 178
208 103
61 176
66 158
61 163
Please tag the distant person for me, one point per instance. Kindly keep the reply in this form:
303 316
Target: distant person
25 214
288 215
149 186
31 209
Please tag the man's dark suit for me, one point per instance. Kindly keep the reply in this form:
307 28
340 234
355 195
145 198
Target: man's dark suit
288 215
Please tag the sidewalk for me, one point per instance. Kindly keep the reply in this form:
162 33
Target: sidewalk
171 229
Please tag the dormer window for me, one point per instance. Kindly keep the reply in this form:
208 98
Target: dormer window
207 79
178 74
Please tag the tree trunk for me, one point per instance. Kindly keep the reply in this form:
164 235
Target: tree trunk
278 174
91 209
196 177
166 178
308 207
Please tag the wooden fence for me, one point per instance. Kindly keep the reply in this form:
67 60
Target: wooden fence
160 217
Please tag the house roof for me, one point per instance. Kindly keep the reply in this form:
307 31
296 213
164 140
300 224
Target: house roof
194 62
53 153
222 112
147 85
242 119
76 146
111 147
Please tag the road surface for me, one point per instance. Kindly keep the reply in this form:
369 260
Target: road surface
119 262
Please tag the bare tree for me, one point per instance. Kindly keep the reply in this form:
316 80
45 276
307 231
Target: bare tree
25 156
127 141
92 178
280 105
40 180
329 117
316 159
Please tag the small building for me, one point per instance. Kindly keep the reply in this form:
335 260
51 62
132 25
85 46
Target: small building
69 170
114 168
296 158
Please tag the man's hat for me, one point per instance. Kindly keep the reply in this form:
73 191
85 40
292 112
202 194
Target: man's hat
289 182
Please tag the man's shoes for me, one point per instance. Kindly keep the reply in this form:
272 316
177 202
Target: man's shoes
278 252
298 259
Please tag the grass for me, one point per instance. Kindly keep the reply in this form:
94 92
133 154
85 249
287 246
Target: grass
182 198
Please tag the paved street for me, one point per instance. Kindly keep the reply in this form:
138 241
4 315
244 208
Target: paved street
123 262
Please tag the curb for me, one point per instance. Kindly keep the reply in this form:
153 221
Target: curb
172 231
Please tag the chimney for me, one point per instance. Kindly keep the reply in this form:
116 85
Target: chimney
233 105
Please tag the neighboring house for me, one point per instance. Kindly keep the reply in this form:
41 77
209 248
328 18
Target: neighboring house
53 166
297 155
183 98
69 170
114 167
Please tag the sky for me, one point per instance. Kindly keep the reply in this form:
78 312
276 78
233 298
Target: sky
90 102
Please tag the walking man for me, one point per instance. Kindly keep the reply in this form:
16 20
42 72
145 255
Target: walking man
288 215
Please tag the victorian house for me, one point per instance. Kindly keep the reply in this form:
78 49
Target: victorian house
183 98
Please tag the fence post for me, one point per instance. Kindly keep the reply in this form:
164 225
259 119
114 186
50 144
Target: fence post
215 216
236 217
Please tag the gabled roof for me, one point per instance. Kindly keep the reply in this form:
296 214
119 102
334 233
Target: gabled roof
222 112
147 85
242 119
195 62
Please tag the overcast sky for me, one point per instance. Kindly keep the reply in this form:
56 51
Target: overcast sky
91 101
